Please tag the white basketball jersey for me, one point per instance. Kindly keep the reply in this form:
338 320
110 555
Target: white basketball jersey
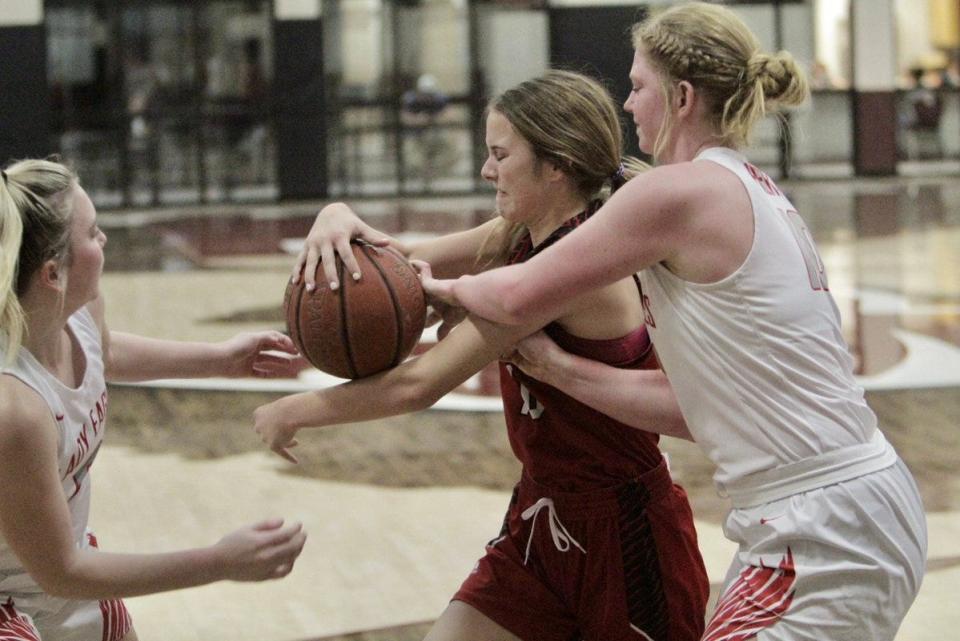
757 360
80 416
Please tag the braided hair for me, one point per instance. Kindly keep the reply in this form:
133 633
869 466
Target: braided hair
711 48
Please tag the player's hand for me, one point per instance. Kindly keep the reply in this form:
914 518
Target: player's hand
435 289
265 550
278 435
336 225
539 357
447 315
268 354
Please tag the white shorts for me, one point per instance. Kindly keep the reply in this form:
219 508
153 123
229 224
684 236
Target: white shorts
842 562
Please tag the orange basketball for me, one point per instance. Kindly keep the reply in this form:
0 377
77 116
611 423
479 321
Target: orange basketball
365 326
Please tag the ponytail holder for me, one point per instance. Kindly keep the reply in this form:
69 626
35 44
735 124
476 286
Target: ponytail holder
617 178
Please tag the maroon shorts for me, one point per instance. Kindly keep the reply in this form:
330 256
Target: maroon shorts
614 564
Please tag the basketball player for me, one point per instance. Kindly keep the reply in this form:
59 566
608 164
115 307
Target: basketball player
55 352
829 522
598 543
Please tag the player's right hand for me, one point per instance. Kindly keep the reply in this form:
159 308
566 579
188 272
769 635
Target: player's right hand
336 225
448 316
265 550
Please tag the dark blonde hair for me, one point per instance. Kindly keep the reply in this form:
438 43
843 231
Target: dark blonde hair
712 49
35 213
572 121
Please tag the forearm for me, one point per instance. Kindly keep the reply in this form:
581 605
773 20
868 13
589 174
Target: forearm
639 398
91 574
615 243
456 254
390 393
138 358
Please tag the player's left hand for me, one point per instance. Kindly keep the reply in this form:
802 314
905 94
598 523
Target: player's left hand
268 354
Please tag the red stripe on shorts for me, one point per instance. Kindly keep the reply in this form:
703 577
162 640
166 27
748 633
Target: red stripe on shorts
756 600
116 619
14 626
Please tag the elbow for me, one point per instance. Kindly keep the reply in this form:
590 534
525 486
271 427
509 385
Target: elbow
516 308
58 584
70 577
504 298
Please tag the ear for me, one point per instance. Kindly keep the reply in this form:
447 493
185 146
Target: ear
684 98
52 275
556 171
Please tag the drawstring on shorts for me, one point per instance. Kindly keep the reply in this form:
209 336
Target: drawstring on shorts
561 538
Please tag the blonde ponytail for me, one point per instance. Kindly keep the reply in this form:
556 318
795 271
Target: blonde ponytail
35 214
11 314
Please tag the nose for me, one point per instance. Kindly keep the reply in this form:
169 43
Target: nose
488 171
626 103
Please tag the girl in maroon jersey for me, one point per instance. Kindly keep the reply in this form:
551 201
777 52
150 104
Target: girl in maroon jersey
56 354
598 543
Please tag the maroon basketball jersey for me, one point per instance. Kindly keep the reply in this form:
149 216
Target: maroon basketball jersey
561 442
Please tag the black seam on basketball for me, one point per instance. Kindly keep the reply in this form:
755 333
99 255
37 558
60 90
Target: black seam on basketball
397 312
344 325
297 338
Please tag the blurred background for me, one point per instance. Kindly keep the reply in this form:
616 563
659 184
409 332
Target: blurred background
164 102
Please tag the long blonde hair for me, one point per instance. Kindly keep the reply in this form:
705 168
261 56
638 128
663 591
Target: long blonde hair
35 214
572 121
712 49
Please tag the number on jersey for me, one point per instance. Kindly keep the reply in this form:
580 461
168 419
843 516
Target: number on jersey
811 258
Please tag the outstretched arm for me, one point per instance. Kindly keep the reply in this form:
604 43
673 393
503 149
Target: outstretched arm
415 384
451 255
639 398
35 522
267 354
642 224
129 357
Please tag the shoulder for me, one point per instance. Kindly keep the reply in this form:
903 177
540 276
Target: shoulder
24 415
97 310
682 187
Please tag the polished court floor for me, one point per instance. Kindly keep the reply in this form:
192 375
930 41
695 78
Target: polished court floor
398 510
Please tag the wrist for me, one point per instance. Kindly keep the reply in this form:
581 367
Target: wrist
209 563
563 366
291 413
221 359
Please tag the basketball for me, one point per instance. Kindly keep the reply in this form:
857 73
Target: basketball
365 326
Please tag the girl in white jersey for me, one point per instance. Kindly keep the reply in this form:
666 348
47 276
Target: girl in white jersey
55 354
829 521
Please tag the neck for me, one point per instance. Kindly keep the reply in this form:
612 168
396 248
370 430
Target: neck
563 207
45 331
688 143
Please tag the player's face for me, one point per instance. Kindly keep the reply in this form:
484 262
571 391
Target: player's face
85 263
513 169
645 102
